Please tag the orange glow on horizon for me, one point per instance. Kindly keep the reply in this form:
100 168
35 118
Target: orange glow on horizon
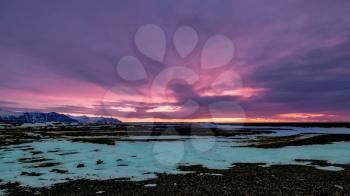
216 120
288 117
165 108
303 115
242 92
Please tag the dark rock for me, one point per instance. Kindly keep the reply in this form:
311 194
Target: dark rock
59 171
33 160
106 141
53 151
314 162
99 162
67 153
80 165
30 174
36 152
27 149
50 164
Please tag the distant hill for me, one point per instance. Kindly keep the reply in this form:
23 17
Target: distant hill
95 120
41 117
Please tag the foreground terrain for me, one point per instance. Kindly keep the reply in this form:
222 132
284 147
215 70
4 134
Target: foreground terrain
144 159
243 179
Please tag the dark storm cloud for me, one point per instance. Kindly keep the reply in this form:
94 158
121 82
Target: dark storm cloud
317 81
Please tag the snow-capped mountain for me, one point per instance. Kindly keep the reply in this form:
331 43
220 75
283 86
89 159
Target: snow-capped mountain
33 117
95 120
41 117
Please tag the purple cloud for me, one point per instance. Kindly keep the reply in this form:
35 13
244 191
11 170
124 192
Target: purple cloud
296 52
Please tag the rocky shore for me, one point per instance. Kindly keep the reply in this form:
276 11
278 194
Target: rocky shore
242 179
299 140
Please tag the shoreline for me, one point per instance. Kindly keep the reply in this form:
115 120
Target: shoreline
242 179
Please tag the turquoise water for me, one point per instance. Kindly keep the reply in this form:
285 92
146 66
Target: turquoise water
140 160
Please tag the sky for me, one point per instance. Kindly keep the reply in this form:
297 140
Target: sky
290 59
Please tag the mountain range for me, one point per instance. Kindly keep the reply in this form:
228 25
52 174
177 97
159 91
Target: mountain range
11 117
